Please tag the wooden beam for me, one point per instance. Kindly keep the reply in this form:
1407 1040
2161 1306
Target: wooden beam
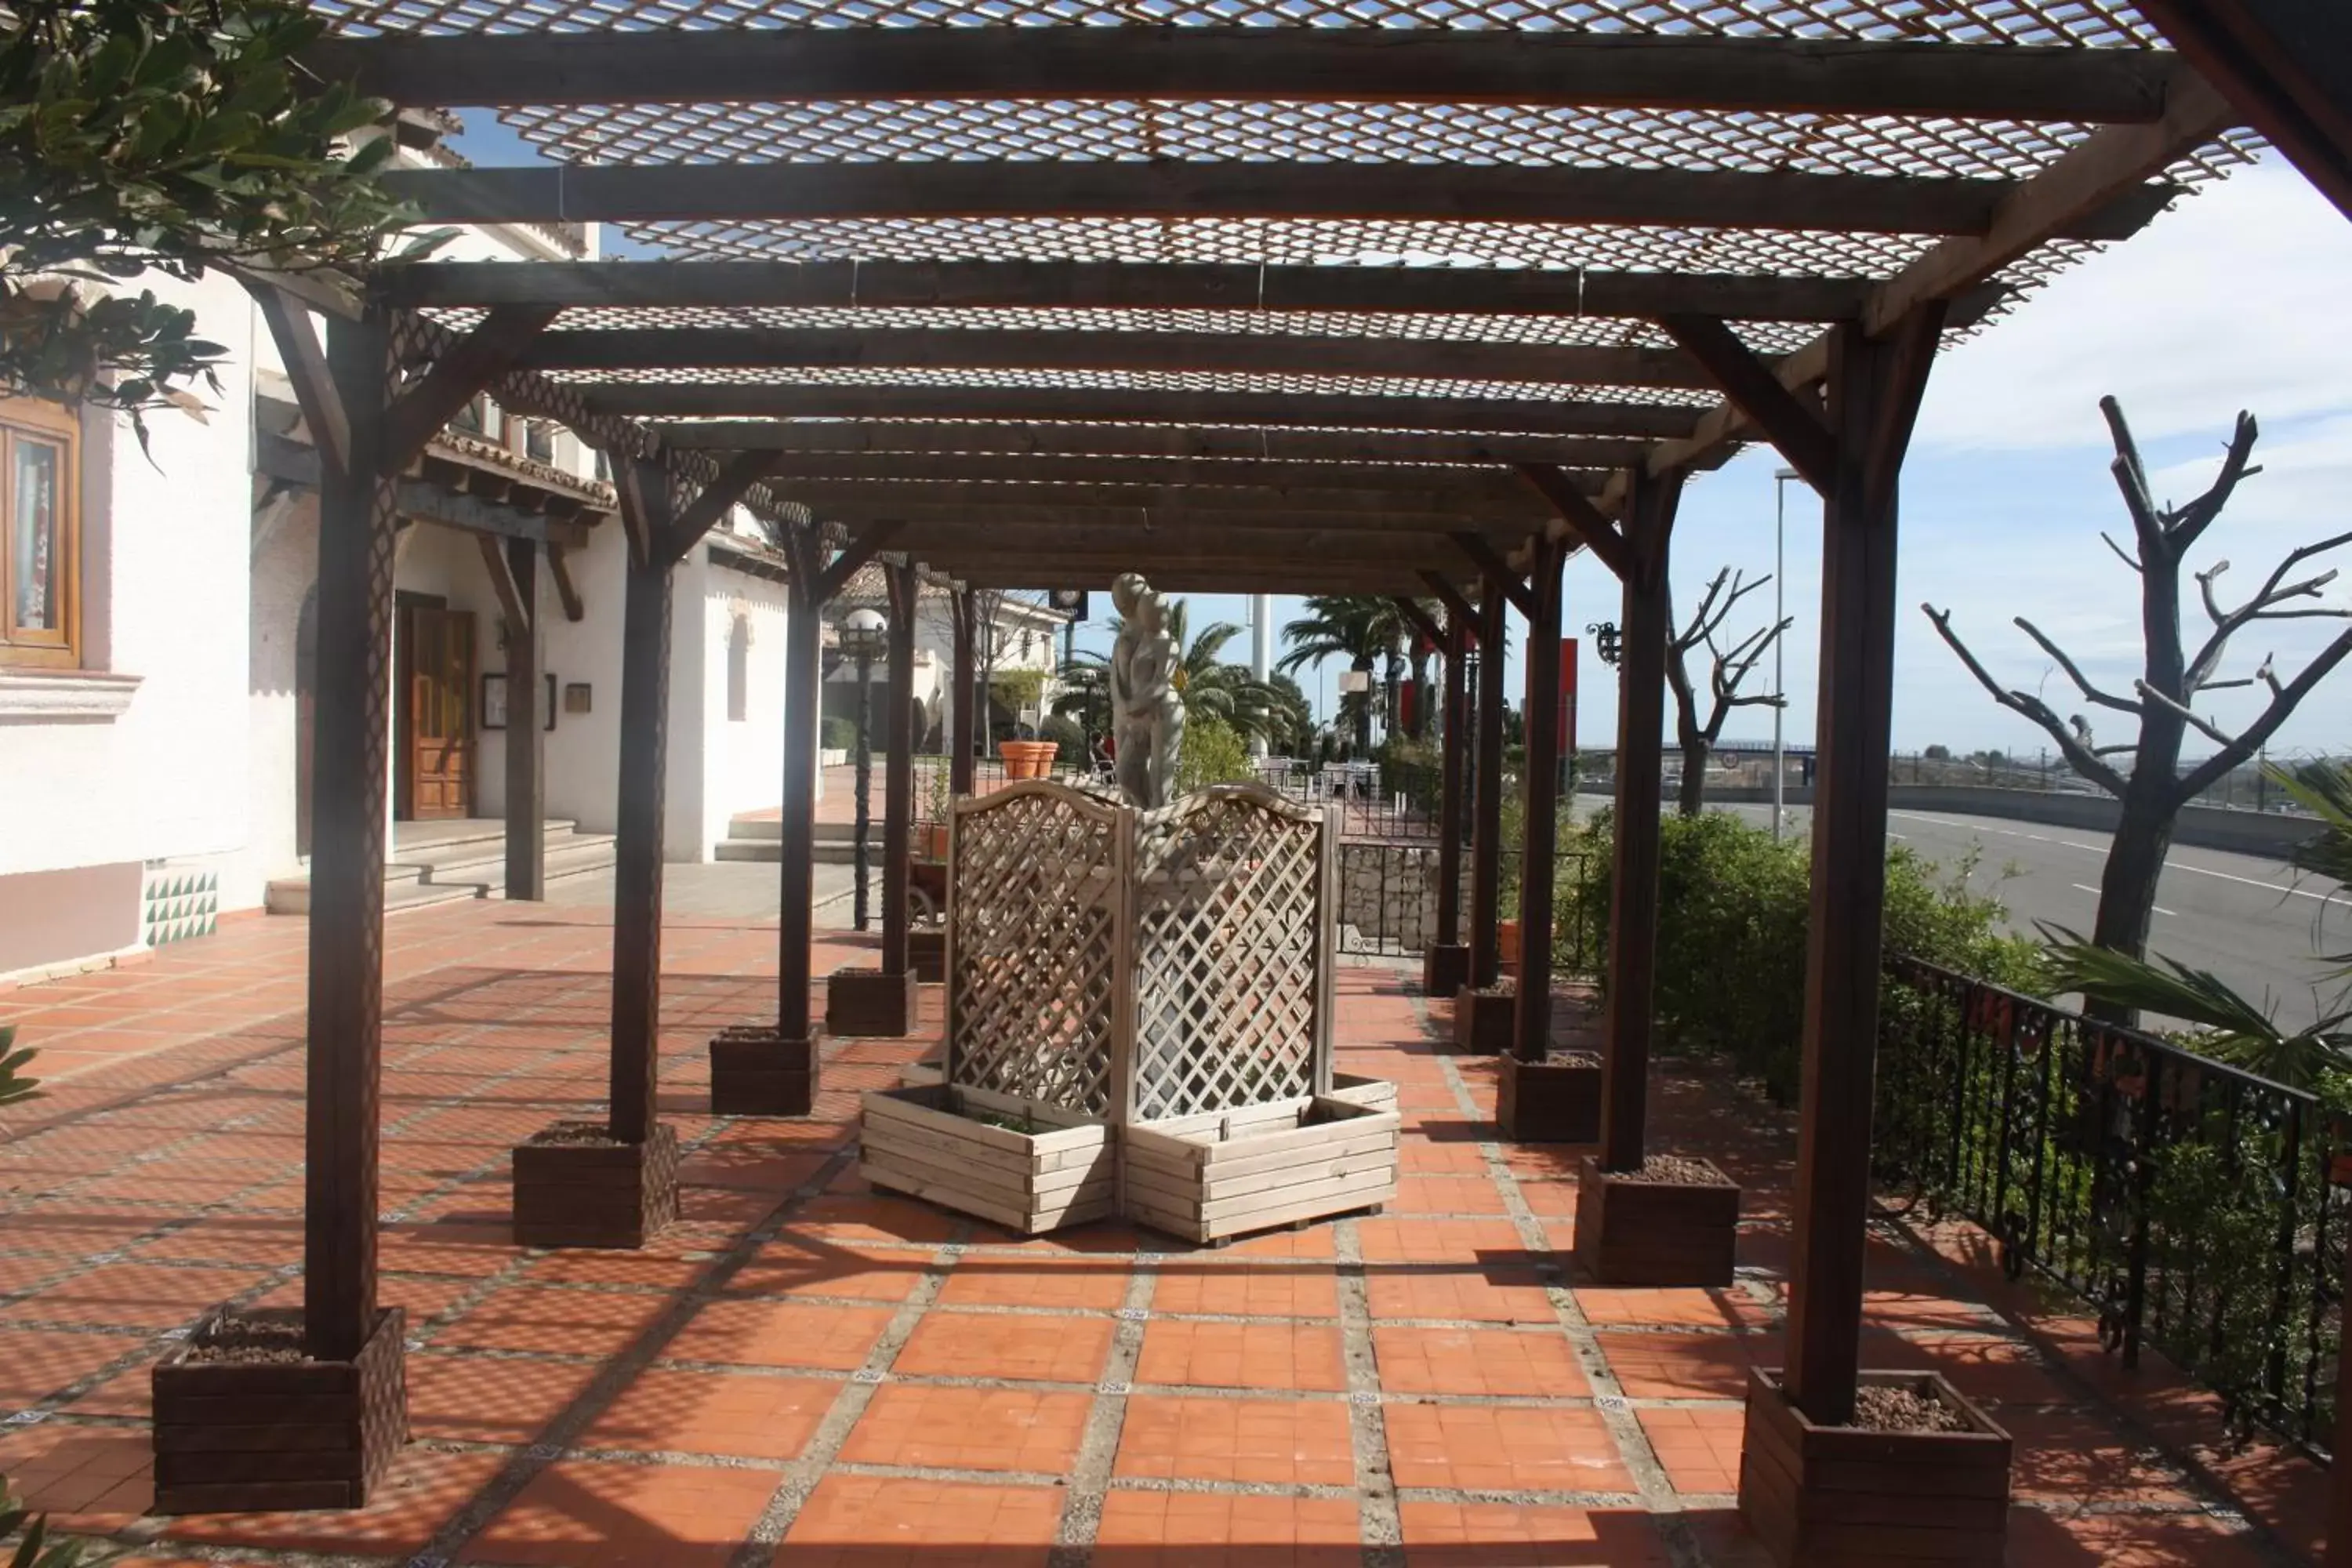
1129 285
305 359
1487 789
1507 416
1466 501
978 348
1411 609
1406 193
1564 68
1786 421
1460 613
1578 517
491 349
559 567
847 440
1489 561
2286 65
709 508
283 458
861 549
1464 480
642 489
943 542
1452 757
502 583
977 524
634 1067
796 857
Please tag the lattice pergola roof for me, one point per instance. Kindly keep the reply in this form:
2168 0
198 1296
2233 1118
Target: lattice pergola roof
999 241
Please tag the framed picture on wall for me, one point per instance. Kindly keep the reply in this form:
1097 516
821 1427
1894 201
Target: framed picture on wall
494 701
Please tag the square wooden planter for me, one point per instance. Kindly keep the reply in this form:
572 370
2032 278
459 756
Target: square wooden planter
1556 1101
1371 1093
1485 1020
1839 1497
755 1071
1444 968
1645 1230
260 1437
926 955
1230 1173
926 1143
869 1002
574 1186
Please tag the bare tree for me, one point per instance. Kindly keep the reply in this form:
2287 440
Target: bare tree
1729 668
2164 698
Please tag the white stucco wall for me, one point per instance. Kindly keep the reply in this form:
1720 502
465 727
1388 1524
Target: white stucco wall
743 759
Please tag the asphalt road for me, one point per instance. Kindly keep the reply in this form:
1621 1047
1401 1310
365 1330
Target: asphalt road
2241 916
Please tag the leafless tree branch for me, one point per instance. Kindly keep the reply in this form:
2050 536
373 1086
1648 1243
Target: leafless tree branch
2276 590
2284 697
2081 682
2202 726
2125 556
2183 526
2083 760
2131 479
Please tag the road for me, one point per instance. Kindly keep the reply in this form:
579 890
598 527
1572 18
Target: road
2241 916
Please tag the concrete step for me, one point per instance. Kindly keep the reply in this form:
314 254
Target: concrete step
467 865
826 851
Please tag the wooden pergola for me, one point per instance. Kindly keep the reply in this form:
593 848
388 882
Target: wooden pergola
1302 298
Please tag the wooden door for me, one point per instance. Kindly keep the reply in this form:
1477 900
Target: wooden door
438 749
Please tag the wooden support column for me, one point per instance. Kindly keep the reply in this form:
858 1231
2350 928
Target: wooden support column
1874 398
1453 771
964 677
344 1056
1487 811
514 573
1641 787
643 489
1532 1026
898 778
796 881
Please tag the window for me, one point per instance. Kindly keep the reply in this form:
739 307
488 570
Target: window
474 418
40 527
539 441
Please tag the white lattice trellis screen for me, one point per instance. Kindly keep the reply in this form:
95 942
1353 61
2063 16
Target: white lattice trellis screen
1234 907
1036 943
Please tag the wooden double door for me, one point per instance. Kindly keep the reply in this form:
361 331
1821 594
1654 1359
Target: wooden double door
435 722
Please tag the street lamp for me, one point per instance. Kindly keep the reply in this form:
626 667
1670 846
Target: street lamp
862 634
1780 643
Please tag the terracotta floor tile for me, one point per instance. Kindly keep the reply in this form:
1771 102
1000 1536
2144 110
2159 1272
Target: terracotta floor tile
480 1399
887 1521
800 1267
578 1511
2037 1539
1211 1530
1699 1445
1241 1356
144 1295
731 1415
1503 1449
420 1491
566 1322
1511 1535
88 1478
1246 1290
1456 1242
1033 1430
883 1219
781 1334
1550 1200
1493 1362
1065 1285
2067 1454
1667 1308
1281 1441
1039 1349
37 1362
1458 1293
1685 1365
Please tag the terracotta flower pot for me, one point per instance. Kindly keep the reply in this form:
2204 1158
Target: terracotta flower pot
1027 759
1506 945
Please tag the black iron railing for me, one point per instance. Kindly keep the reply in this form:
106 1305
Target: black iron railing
2188 1203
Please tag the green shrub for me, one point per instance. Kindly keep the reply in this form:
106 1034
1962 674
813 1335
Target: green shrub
839 734
1734 909
1064 733
1017 688
1213 754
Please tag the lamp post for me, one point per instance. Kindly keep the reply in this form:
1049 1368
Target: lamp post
862 634
1780 643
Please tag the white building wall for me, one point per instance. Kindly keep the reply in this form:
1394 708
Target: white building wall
743 758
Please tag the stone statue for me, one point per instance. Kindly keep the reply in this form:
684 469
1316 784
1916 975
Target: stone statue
1148 712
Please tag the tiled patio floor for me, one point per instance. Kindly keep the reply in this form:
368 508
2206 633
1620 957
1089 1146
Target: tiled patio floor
804 1373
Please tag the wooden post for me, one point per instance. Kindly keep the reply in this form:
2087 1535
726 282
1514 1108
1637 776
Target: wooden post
643 746
526 792
343 1055
1533 1025
2339 1480
966 675
797 873
1451 769
1485 850
1873 397
899 777
1641 787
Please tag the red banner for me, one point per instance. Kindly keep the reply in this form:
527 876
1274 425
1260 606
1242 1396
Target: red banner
1568 696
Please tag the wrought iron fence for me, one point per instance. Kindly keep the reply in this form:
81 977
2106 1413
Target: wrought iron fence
2190 1204
1388 899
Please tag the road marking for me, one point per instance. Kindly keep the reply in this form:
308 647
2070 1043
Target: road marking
2160 908
2253 882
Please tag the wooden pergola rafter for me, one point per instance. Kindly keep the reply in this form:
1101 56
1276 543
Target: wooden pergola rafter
1404 308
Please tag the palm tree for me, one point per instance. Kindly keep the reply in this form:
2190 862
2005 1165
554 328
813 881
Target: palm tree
1210 688
1365 629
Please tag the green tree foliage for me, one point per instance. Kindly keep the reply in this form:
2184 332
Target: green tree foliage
1213 754
167 136
1363 628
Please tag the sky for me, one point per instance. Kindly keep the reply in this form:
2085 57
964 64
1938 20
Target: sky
2233 300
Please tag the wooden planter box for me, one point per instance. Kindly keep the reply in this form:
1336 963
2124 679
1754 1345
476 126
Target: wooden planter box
1835 1497
1229 1173
1444 968
869 1002
1557 1100
594 1194
1634 1232
922 1141
274 1437
926 955
1371 1093
755 1071
1483 1021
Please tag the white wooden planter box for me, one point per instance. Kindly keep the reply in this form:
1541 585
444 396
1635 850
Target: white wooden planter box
913 1141
1228 1173
1371 1093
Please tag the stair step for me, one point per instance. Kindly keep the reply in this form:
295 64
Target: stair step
474 867
825 851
